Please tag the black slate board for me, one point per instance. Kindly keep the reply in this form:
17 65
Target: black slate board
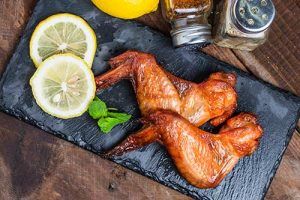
278 110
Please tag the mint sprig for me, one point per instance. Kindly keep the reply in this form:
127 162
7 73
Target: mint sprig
107 120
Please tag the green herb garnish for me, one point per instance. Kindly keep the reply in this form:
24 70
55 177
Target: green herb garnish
97 109
107 123
107 120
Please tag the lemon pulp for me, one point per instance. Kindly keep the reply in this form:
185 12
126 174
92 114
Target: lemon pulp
63 86
63 33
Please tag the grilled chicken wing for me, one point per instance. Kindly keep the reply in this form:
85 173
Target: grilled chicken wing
202 158
155 89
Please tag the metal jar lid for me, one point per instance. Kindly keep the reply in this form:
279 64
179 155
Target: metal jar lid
195 34
253 15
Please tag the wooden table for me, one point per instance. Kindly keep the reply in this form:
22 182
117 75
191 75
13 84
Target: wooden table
36 165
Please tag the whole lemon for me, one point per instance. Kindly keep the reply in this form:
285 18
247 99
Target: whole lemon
126 9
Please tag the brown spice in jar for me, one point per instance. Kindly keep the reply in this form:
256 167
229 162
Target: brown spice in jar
182 8
181 4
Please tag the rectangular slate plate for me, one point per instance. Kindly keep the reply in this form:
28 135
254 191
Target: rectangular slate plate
278 110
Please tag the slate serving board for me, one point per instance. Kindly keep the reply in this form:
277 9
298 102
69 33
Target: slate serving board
278 111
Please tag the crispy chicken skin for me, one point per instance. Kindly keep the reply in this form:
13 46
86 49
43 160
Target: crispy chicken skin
173 108
155 89
202 158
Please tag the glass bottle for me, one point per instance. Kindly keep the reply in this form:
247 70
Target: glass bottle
242 24
188 19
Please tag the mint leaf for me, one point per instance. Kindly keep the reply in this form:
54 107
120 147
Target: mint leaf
106 124
97 109
106 120
122 117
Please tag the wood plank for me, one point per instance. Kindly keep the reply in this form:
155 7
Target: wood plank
13 18
36 165
55 166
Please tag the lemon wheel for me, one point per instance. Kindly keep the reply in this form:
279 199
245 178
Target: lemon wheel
63 86
63 33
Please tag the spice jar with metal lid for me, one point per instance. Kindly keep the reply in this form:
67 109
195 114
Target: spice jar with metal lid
188 19
242 24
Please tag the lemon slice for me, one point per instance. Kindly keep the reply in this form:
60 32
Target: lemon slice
63 33
63 86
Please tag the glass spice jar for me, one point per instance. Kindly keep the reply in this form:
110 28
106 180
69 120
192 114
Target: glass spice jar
188 19
242 24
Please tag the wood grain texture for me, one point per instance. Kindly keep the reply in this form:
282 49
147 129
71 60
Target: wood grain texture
13 18
35 165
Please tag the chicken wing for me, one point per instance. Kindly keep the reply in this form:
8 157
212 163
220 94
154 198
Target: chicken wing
202 158
155 89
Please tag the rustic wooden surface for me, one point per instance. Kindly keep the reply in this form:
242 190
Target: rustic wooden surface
36 165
